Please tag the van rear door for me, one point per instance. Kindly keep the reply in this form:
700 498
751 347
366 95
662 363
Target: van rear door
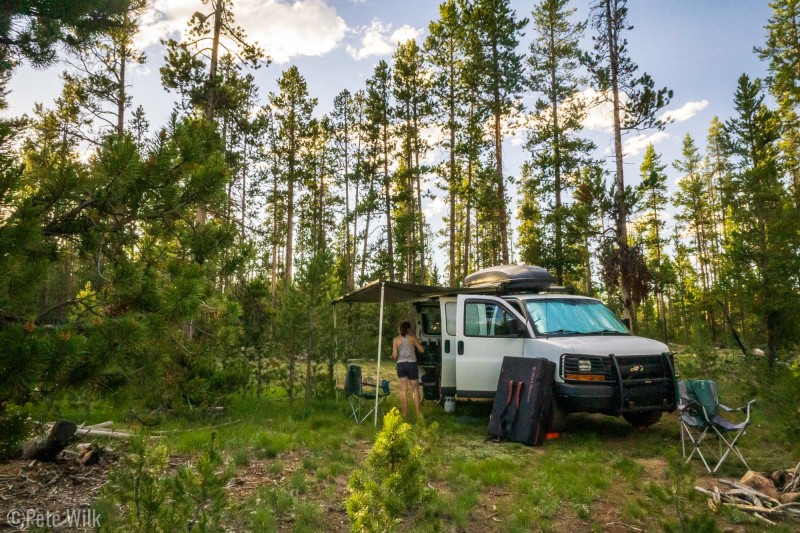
448 376
487 329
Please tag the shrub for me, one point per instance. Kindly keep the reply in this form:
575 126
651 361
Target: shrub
391 482
141 496
13 430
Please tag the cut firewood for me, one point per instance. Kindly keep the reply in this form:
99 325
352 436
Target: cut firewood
753 501
764 519
754 492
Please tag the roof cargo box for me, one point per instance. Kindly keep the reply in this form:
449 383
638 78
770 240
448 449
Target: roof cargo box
511 278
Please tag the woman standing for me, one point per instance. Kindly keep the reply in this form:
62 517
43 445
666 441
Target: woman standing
404 352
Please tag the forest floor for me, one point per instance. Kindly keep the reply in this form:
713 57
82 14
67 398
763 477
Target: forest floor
289 468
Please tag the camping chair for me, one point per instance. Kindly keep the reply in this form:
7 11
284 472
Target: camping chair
699 408
362 402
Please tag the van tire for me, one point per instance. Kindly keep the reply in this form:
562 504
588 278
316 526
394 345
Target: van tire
558 418
645 419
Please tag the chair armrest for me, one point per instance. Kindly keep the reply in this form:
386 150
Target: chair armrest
745 407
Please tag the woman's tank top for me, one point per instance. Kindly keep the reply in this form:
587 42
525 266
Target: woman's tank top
406 352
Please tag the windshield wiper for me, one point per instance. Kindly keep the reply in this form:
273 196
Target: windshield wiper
563 332
605 332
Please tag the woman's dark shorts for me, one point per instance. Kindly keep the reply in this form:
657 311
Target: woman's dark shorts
408 370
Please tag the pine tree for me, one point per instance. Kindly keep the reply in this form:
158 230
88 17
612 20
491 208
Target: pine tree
292 108
412 110
782 50
615 75
378 110
32 30
763 240
193 67
695 214
557 152
494 30
101 67
590 208
345 132
654 194
444 52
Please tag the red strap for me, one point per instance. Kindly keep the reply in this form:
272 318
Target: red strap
519 388
510 386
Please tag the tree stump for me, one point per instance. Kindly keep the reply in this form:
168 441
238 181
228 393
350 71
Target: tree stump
47 448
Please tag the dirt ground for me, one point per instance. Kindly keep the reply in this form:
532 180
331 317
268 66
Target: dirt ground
35 489
67 485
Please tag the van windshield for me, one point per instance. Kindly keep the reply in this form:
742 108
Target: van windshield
573 316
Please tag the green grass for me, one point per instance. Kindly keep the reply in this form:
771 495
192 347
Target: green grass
599 467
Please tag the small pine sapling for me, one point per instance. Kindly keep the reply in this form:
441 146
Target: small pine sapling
391 482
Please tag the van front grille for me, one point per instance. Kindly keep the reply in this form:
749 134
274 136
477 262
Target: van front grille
630 366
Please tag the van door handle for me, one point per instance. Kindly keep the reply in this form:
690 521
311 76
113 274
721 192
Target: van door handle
447 346
460 347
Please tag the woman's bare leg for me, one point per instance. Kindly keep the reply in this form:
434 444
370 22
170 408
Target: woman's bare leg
415 394
404 396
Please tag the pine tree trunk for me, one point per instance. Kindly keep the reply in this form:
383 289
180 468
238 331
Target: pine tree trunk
244 187
420 218
556 168
452 222
347 240
468 220
501 190
366 228
290 210
123 54
388 199
619 197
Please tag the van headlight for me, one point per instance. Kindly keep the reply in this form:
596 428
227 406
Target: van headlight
584 365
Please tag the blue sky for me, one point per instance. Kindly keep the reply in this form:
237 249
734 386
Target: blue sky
698 48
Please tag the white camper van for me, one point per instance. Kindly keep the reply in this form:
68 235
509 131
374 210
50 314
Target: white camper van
513 311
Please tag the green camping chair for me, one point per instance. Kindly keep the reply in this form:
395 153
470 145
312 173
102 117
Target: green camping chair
699 408
362 402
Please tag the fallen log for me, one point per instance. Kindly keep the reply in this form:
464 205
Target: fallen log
47 448
101 425
104 433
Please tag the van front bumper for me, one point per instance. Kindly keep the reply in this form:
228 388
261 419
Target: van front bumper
631 384
605 398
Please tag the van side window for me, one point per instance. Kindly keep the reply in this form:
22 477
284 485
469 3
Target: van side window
487 319
450 317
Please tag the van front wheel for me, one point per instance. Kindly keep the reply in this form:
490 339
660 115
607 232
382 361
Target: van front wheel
644 419
558 418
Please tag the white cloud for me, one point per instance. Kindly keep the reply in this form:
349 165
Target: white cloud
434 208
685 112
284 30
163 19
599 110
635 145
599 115
404 33
378 39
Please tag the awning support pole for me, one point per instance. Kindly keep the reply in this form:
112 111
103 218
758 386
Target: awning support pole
335 353
378 372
